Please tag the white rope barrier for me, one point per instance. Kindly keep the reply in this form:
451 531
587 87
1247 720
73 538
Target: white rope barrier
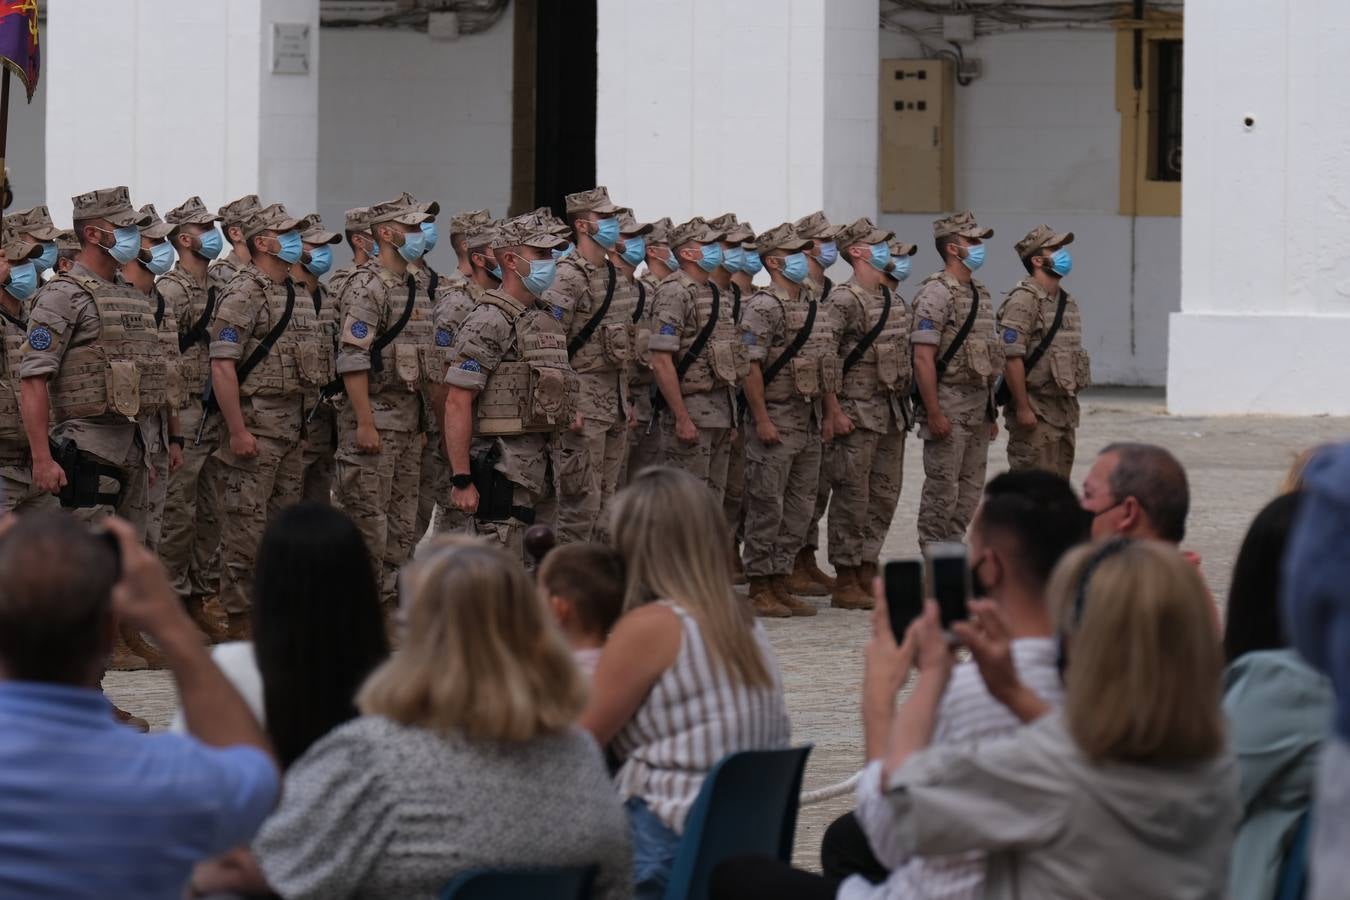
829 793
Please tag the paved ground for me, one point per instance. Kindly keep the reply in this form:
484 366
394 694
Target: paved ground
1235 466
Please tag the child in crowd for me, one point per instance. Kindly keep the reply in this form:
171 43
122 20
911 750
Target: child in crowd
584 586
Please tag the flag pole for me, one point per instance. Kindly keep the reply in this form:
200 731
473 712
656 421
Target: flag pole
4 132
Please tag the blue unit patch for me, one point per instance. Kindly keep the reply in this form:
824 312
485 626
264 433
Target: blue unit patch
229 334
927 325
471 365
443 337
668 329
360 330
748 339
40 338
1009 335
557 312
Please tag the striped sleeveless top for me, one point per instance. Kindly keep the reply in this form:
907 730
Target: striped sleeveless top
694 716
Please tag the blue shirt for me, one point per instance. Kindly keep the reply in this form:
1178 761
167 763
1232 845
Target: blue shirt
90 808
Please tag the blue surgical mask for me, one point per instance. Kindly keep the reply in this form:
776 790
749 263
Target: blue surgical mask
903 265
974 257
496 271
881 254
50 254
606 232
564 252
541 275
320 260
126 243
829 252
1061 262
23 281
711 258
751 264
161 258
634 249
431 235
671 262
413 246
374 248
733 260
211 244
292 248
794 268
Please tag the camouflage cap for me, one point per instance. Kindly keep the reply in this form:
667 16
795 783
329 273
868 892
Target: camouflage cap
113 204
901 249
1040 237
631 227
401 211
358 219
464 222
17 250
783 237
431 209
521 232
595 200
963 224
746 234
236 211
660 233
269 218
313 232
157 229
695 231
67 242
35 223
480 236
816 227
191 211
724 223
862 231
735 232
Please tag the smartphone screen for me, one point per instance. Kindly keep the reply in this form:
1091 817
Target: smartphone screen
950 580
903 579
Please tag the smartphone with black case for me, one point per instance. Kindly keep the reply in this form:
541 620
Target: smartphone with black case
903 581
949 580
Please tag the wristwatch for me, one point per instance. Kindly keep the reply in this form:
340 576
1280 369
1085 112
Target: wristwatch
460 482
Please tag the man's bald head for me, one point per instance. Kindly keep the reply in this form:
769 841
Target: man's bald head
56 580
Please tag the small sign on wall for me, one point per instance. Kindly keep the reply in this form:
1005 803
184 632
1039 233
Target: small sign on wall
290 48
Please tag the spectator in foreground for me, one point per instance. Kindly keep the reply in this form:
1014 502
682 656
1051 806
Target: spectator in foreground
1137 491
687 675
318 628
465 755
1025 523
92 809
1279 709
1316 596
583 584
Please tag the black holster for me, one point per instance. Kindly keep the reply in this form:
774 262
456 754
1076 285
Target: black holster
83 473
495 490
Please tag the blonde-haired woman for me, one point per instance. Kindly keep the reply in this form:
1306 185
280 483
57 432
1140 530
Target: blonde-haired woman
465 754
687 675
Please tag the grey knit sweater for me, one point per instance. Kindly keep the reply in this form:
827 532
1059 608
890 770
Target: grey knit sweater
378 809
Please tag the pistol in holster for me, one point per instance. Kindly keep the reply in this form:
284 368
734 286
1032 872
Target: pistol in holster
83 477
495 491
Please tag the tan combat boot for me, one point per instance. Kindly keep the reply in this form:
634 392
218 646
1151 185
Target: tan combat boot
794 605
847 594
123 660
125 718
765 601
136 643
210 624
801 581
808 559
867 573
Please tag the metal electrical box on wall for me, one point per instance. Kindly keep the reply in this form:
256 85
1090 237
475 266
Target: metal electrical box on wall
916 154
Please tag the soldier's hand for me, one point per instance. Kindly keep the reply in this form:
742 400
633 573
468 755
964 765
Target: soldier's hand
244 445
993 430
48 476
175 458
686 431
939 426
767 433
578 424
367 439
1026 418
843 425
465 499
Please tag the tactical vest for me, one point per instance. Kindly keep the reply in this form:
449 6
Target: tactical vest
301 360
338 278
724 362
175 393
814 370
193 363
11 428
1065 369
411 362
884 367
980 358
119 372
611 345
220 273
642 330
534 387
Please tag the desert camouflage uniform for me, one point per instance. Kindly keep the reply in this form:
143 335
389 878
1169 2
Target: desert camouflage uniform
644 442
155 426
318 465
17 493
454 302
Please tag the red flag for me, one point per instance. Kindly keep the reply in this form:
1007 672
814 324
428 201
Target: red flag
19 41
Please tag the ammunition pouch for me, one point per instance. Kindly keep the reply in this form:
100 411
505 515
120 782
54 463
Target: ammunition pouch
495 491
83 474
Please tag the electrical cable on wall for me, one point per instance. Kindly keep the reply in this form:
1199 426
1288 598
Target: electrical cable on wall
474 16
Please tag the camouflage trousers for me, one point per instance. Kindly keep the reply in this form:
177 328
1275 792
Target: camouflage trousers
866 469
157 491
823 491
251 492
510 534
644 450
433 496
954 471
707 458
317 457
1044 447
588 464
133 504
780 494
379 492
189 541
17 494
733 503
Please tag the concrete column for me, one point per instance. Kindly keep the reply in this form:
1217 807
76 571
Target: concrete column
767 108
175 99
1265 276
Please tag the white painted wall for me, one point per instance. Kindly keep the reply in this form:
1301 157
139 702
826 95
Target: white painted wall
1265 315
1038 140
26 149
399 111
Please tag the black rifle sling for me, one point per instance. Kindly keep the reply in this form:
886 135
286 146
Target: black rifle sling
265 347
584 335
317 295
794 348
959 341
856 354
159 309
736 303
642 302
198 329
1044 345
384 340
433 280
703 336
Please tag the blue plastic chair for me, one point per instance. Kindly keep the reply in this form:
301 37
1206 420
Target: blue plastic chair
522 884
748 805
1294 873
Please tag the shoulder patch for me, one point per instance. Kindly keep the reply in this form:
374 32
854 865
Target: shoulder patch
443 337
471 365
1010 335
927 325
40 338
360 330
748 338
667 330
229 334
556 312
